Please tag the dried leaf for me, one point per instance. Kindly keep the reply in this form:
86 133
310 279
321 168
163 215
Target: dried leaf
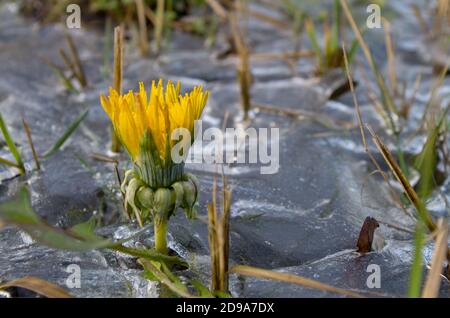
39 286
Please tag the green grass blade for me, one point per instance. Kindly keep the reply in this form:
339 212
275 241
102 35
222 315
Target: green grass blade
310 30
73 126
415 278
11 145
8 163
426 162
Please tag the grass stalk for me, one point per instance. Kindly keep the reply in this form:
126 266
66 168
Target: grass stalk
289 278
386 96
218 237
117 79
218 9
79 73
143 37
390 56
433 280
159 27
244 75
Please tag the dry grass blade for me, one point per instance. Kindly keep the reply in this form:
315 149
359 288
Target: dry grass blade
38 286
117 79
387 98
118 58
30 141
159 27
150 15
243 66
79 72
433 281
319 118
70 65
434 90
396 227
390 55
418 14
264 56
294 279
268 19
218 9
361 128
409 190
218 237
143 42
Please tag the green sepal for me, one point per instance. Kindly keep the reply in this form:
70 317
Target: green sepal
164 202
179 194
191 190
130 195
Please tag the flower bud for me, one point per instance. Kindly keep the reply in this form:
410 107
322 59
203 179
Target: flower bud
145 196
130 197
189 198
179 194
164 202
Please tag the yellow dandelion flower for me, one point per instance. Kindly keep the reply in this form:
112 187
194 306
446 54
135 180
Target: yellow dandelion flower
133 115
157 184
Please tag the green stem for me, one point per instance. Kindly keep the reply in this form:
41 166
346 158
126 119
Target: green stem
161 226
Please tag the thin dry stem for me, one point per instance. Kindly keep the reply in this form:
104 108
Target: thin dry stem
159 27
243 66
433 281
218 9
289 278
362 131
392 71
218 237
30 141
76 60
117 79
143 37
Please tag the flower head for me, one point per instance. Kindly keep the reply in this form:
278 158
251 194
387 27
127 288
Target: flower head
145 126
134 114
